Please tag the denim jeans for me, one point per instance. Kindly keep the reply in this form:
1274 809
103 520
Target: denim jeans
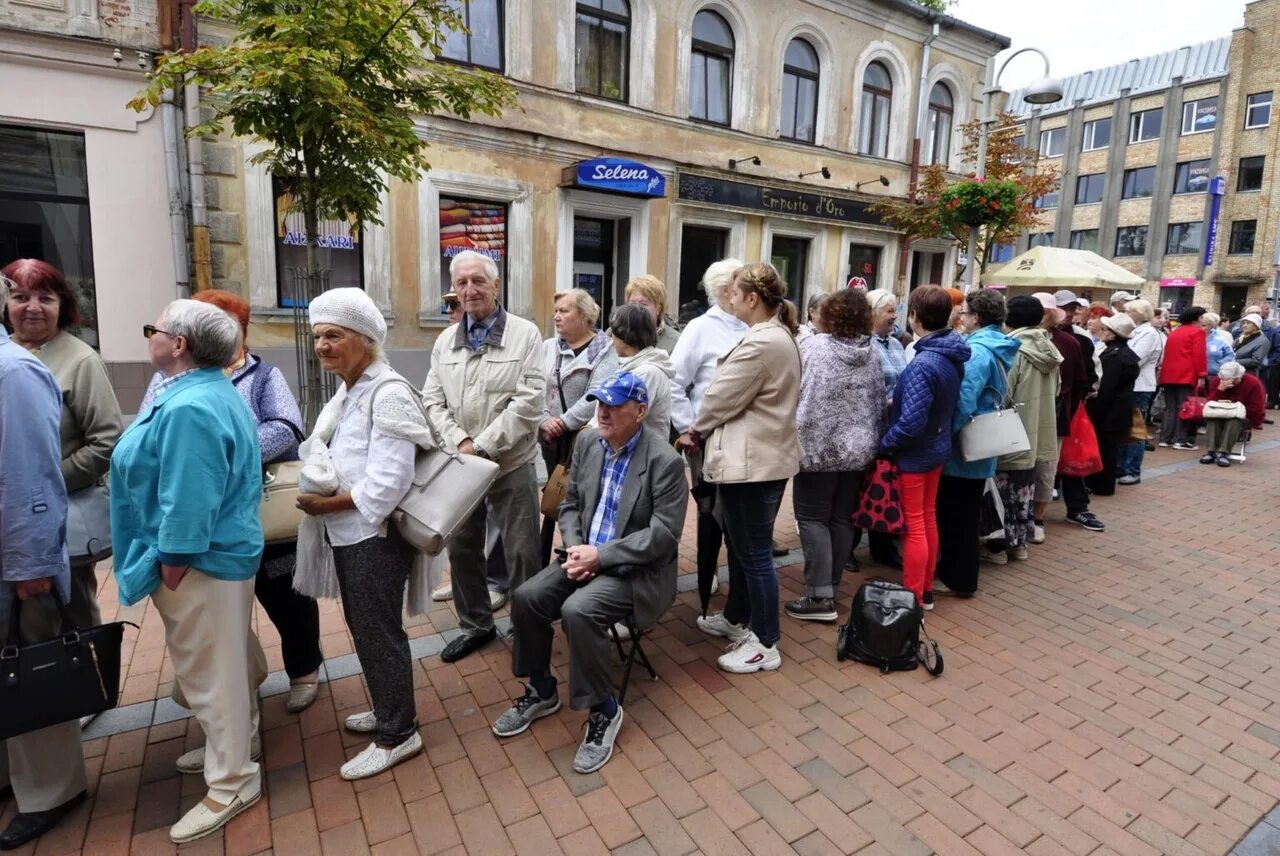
750 509
1131 454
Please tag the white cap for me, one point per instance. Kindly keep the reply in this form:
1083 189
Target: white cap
350 308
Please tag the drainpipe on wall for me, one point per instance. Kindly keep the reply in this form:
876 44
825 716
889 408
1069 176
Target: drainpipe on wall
921 117
171 126
195 157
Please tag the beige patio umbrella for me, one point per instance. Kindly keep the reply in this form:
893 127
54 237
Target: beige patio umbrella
1052 268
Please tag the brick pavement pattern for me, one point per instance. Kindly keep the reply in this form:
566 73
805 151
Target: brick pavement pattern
1113 695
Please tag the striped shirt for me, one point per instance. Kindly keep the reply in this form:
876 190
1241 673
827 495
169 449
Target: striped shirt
612 476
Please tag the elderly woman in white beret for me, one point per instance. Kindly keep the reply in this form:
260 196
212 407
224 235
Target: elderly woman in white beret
371 428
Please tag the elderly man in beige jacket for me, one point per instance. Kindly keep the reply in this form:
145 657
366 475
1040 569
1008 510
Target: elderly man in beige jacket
485 393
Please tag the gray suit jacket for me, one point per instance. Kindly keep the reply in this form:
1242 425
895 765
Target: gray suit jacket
650 518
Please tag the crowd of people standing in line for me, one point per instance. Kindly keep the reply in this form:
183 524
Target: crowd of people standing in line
745 395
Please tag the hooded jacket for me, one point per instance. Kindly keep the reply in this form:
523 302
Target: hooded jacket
841 403
982 391
654 367
1033 386
924 402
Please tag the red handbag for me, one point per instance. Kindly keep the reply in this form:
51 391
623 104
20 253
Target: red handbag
1192 410
880 508
1080 454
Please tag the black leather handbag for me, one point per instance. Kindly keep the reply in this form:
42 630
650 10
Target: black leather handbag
75 674
884 630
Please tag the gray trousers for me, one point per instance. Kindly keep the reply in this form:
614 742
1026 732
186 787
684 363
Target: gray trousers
513 504
372 576
46 767
1221 434
586 612
824 504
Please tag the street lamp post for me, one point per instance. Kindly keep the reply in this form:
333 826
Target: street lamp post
1045 90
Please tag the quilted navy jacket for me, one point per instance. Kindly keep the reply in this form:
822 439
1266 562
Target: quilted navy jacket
919 435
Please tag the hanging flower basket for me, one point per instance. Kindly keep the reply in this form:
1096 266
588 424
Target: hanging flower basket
978 203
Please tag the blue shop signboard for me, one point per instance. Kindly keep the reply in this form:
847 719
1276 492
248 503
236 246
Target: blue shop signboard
616 175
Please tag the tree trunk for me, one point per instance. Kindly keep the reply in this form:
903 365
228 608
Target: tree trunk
315 388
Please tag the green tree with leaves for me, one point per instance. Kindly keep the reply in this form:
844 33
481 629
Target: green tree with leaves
1014 179
332 88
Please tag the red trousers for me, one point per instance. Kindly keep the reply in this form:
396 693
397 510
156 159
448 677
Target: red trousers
920 544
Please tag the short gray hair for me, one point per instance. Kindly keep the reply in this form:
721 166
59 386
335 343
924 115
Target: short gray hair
815 300
1231 371
715 282
1140 310
1211 318
490 267
880 297
583 302
213 336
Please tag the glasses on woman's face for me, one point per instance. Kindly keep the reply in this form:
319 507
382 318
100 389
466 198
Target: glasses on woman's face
149 330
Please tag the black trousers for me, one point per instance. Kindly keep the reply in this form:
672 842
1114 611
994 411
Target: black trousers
1104 483
959 509
297 619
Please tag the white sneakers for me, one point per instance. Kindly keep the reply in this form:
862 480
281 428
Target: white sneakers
716 624
748 655
374 759
202 820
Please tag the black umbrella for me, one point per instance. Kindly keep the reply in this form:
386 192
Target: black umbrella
709 539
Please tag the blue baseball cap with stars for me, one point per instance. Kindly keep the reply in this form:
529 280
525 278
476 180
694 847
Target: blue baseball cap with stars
620 388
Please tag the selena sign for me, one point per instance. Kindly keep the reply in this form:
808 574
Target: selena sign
616 175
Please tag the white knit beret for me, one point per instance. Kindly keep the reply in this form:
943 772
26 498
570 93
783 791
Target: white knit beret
350 308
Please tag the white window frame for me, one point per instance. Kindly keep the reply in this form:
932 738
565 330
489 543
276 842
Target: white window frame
1047 136
1136 124
640 65
885 240
610 207
1089 141
518 197
260 244
684 214
1250 106
1192 106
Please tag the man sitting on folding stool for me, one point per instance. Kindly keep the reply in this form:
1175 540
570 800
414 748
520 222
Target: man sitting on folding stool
620 521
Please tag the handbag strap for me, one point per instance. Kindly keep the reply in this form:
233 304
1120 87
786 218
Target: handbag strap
15 618
417 399
293 429
564 408
1004 376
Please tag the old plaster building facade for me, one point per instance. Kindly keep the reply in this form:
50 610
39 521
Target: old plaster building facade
1167 167
651 136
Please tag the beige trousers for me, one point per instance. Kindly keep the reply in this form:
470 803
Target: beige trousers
46 767
206 623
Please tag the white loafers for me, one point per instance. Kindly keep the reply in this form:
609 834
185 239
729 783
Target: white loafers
374 759
300 697
202 820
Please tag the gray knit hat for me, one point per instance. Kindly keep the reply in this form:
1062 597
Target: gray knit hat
350 308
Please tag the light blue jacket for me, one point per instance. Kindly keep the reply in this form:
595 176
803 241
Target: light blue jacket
1219 352
33 495
186 480
981 391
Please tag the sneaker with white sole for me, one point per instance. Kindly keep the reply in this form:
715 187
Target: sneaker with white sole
1037 533
1019 553
811 608
1186 447
748 655
202 820
1088 521
497 599
374 759
927 602
1128 480
192 763
597 746
442 592
994 558
523 711
361 723
716 624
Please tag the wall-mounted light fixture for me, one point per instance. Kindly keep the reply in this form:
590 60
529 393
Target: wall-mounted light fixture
824 172
882 180
754 160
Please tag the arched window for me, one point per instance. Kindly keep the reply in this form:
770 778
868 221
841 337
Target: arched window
711 69
941 120
480 43
877 102
603 45
800 72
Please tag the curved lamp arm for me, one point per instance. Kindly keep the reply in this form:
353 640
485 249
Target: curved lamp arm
996 80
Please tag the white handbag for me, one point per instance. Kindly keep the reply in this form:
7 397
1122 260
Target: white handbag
278 509
89 523
447 488
1224 410
1000 432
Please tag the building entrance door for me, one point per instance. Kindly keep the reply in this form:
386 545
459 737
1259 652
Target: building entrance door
700 247
790 256
1231 301
600 260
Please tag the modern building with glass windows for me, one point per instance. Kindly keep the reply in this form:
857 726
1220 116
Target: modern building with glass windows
651 136
1164 167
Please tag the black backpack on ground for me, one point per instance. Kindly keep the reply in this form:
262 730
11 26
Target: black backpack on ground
884 630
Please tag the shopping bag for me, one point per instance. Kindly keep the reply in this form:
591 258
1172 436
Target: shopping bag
991 519
1137 427
1192 410
880 508
1080 454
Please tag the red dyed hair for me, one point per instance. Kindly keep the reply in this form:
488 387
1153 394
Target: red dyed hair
35 275
230 303
1100 310
957 296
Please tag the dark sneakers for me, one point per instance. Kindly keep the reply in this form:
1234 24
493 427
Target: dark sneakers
1087 520
928 601
811 608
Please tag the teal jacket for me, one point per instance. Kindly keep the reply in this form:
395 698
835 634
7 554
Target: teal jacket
981 391
186 480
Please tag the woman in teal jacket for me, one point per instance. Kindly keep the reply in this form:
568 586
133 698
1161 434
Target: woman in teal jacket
960 490
186 480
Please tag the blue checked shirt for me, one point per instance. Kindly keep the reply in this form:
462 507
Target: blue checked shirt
612 477
478 331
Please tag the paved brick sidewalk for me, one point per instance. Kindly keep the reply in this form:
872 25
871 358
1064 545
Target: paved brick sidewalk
1113 695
